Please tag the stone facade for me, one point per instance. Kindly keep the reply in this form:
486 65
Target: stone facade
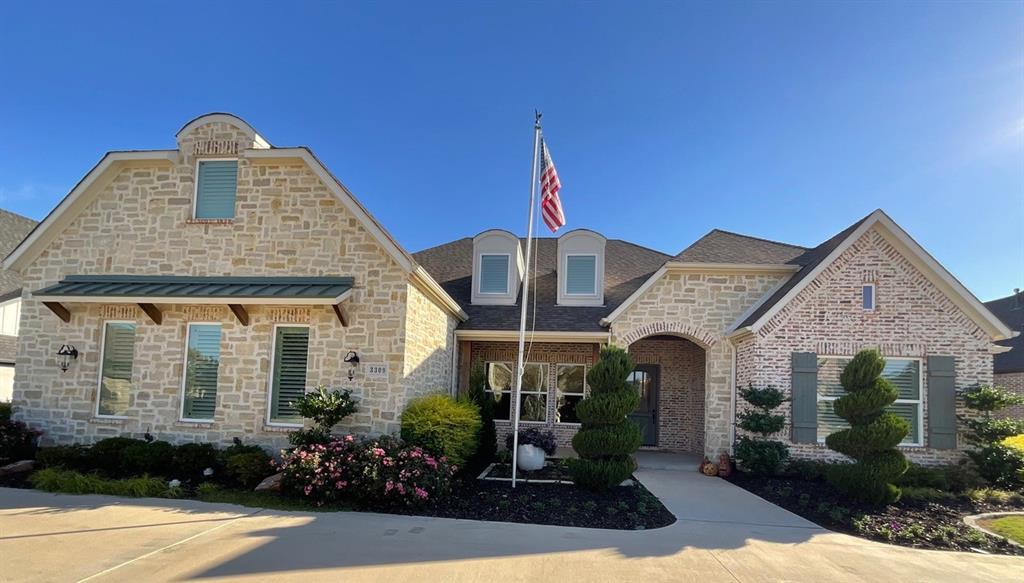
1013 381
699 307
912 318
680 392
287 223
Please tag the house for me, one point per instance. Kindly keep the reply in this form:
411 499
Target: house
1008 367
13 228
205 287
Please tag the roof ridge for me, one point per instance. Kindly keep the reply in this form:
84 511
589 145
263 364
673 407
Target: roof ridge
644 247
439 245
753 237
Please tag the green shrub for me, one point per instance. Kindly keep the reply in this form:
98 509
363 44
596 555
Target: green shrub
963 476
996 496
925 494
5 411
487 442
985 431
761 455
105 454
153 458
309 436
872 436
72 482
607 438
990 399
999 464
248 469
191 461
442 426
66 457
17 441
921 477
325 408
809 470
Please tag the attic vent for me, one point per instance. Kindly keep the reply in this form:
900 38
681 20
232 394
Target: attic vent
215 147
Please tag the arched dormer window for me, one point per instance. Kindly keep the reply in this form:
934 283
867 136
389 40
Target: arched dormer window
581 268
497 268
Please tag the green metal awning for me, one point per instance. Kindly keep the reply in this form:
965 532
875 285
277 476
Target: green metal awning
149 290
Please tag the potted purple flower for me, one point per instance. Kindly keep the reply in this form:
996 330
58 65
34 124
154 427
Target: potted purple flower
534 444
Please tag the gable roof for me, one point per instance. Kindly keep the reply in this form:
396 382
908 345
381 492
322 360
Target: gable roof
815 260
13 228
627 267
720 246
1011 311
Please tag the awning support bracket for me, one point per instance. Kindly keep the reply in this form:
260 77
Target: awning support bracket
341 313
239 311
58 308
153 312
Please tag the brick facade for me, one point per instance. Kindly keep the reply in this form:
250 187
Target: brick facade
681 390
1013 381
287 223
912 318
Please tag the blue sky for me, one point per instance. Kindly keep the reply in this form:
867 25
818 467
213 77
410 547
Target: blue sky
781 120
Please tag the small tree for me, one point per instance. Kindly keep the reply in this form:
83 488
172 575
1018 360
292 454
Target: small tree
326 409
873 434
477 394
761 455
607 438
997 462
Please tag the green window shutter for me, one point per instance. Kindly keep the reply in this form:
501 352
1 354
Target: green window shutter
942 402
216 188
804 391
494 274
291 349
201 367
580 274
116 371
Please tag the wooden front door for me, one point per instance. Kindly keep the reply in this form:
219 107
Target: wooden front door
645 379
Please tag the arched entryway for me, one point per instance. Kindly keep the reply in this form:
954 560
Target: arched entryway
670 374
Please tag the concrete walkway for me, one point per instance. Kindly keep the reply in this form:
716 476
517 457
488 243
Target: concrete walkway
723 534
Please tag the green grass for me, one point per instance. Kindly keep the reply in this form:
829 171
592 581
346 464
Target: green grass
208 492
1012 527
70 482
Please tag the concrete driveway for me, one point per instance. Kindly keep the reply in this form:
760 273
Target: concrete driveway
723 534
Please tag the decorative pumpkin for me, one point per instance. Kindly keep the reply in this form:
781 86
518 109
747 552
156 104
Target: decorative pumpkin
709 469
724 465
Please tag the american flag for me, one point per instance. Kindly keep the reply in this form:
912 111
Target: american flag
550 204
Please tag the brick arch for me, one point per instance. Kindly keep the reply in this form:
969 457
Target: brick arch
701 337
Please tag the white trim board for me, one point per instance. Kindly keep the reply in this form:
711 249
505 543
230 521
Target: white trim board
542 336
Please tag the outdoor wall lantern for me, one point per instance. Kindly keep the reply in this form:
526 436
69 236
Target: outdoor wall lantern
65 356
353 359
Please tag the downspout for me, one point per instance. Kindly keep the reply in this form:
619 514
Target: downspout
732 401
454 372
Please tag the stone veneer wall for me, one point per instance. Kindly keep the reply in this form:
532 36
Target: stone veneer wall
912 318
699 307
551 354
287 223
429 345
681 390
1013 381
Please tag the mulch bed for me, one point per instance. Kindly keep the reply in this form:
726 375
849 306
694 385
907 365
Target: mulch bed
910 522
553 470
620 508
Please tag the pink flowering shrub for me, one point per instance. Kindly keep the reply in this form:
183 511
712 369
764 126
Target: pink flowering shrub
378 473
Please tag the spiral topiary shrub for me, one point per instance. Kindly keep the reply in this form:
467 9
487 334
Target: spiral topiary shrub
607 438
873 434
760 455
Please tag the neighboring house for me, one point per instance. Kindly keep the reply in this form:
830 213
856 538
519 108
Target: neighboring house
13 229
207 286
1009 366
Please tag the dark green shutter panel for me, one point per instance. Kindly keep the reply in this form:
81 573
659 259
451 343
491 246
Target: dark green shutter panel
942 402
201 370
291 346
215 191
805 397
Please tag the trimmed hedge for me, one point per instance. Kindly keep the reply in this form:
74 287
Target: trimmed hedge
443 426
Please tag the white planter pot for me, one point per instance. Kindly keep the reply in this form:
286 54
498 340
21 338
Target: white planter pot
530 458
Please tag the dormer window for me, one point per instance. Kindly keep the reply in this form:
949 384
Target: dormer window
497 268
581 268
493 274
216 186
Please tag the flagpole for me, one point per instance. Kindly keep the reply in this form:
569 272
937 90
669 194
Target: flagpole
526 291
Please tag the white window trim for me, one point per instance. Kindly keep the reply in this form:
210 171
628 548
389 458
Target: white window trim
586 391
270 374
508 274
874 297
184 372
596 294
919 401
9 304
99 367
195 189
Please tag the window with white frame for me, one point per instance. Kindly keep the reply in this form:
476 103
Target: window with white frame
202 364
10 313
867 296
116 359
216 187
288 375
493 274
570 382
580 275
903 373
534 394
